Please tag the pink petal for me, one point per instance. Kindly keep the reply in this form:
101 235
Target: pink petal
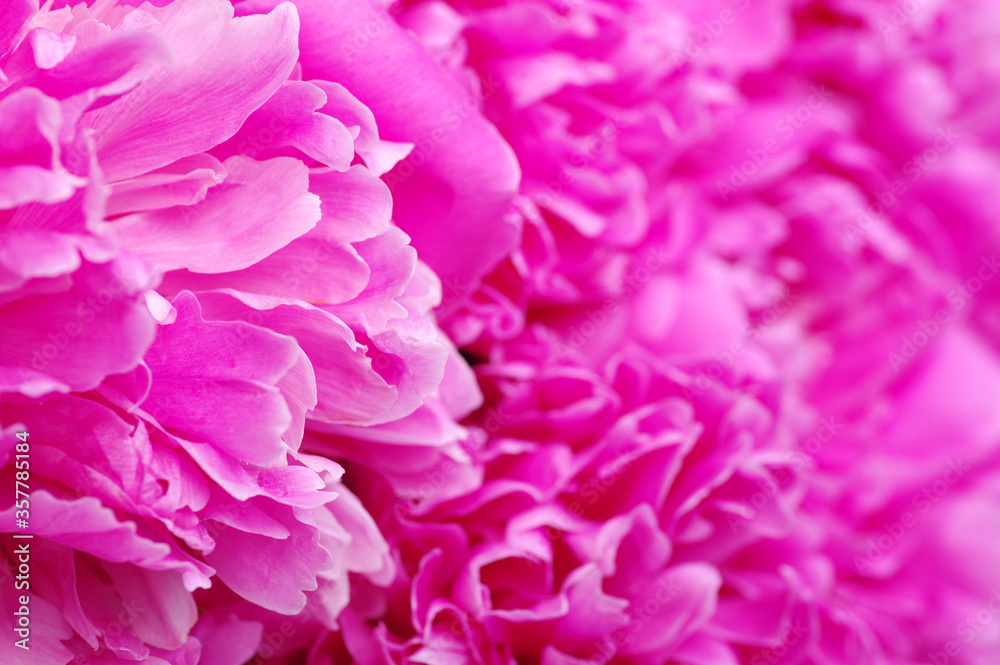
465 176
82 330
242 61
289 120
210 377
260 208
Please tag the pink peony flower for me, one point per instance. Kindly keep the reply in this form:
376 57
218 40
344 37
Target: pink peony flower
715 224
200 258
525 332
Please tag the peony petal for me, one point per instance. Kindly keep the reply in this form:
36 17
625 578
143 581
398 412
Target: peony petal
94 326
243 61
466 174
289 120
210 377
260 208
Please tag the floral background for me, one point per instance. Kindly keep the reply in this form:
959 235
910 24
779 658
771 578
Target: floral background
482 332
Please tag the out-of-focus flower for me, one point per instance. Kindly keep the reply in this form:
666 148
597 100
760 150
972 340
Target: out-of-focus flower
743 238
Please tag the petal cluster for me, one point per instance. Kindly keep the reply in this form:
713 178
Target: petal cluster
200 263
558 332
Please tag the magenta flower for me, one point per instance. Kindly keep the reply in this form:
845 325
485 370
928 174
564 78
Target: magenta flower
196 268
565 333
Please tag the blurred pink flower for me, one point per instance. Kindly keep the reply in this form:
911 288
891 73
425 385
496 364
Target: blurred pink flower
751 206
